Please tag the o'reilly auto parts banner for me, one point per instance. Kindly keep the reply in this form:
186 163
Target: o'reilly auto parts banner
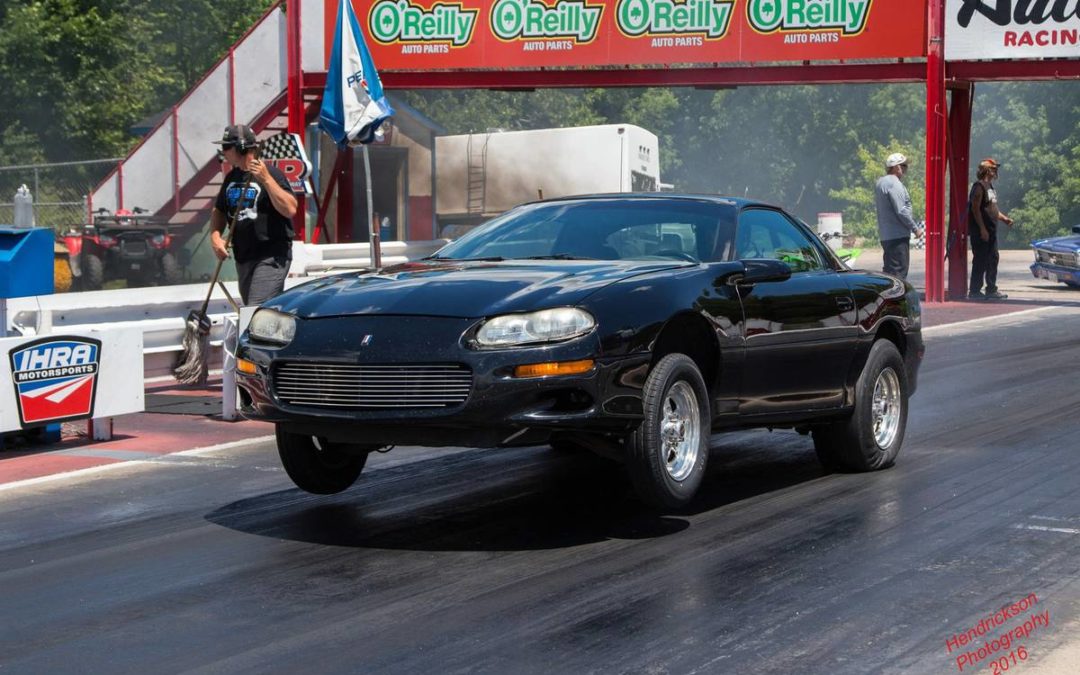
1011 29
496 34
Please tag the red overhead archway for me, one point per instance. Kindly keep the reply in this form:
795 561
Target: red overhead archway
529 44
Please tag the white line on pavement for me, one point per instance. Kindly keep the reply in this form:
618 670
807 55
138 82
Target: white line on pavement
79 473
1040 528
987 319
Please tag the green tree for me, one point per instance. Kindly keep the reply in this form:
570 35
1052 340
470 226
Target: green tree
1033 130
77 74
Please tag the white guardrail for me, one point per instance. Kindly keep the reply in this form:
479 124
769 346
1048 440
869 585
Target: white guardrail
160 312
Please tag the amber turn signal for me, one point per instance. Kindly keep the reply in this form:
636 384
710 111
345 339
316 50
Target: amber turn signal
553 369
245 366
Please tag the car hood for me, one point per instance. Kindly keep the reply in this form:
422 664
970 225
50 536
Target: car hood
465 289
1067 244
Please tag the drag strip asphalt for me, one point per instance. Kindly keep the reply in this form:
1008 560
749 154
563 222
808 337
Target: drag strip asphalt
530 560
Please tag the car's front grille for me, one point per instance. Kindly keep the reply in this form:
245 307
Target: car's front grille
327 385
1056 258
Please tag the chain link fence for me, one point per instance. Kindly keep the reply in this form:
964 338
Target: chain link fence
59 190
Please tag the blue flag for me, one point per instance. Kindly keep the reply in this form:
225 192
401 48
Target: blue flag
353 103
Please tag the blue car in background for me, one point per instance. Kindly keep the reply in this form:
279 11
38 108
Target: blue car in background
1058 259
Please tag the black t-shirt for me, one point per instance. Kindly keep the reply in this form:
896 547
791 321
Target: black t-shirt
261 232
986 206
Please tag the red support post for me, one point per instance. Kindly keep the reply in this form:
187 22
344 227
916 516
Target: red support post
232 85
295 99
176 158
345 198
331 183
935 152
959 152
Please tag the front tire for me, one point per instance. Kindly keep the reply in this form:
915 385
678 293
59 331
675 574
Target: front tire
317 466
667 454
871 438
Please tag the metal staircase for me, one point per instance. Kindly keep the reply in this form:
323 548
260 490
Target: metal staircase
174 171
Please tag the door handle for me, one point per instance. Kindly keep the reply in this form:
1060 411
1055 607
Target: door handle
844 303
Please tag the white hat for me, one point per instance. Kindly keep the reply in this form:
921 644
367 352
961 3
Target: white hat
895 159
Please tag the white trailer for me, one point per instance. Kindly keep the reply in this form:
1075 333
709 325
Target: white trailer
482 175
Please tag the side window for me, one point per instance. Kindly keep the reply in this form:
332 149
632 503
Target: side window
762 233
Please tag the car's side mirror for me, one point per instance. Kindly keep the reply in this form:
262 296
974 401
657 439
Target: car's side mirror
763 270
1076 229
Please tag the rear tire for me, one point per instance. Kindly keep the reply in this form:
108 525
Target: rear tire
171 274
667 454
93 272
871 438
318 466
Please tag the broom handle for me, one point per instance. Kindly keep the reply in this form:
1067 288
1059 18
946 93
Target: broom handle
228 242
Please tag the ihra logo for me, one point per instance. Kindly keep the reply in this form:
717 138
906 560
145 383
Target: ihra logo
56 378
398 21
513 19
665 17
766 16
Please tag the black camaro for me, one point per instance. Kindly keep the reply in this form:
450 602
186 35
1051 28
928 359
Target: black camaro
631 325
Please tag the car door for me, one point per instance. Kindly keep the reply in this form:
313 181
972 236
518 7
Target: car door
800 333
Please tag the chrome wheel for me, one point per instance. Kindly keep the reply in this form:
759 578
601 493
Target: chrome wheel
680 430
886 407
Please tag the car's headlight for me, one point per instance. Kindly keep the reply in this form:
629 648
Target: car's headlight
270 326
549 325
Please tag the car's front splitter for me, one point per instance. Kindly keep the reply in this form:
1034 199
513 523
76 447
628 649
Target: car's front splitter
1055 273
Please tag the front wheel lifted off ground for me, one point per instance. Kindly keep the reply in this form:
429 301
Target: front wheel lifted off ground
319 466
870 439
666 455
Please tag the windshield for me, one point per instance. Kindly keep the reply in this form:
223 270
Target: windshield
602 229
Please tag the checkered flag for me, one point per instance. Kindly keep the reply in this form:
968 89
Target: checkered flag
918 242
286 152
281 146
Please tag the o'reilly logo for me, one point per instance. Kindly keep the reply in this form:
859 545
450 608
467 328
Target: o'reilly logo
399 21
514 19
849 16
1004 13
710 18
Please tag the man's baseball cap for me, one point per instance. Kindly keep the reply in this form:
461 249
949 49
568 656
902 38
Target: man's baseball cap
989 163
239 135
895 159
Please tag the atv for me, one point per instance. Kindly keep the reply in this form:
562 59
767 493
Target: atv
127 245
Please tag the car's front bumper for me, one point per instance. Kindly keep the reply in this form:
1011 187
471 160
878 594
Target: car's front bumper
1055 273
500 409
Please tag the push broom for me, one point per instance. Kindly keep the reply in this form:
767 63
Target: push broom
191 366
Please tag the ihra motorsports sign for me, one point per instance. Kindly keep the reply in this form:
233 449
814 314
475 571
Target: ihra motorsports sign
503 34
55 379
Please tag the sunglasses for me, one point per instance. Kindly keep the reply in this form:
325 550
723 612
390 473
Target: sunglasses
227 146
